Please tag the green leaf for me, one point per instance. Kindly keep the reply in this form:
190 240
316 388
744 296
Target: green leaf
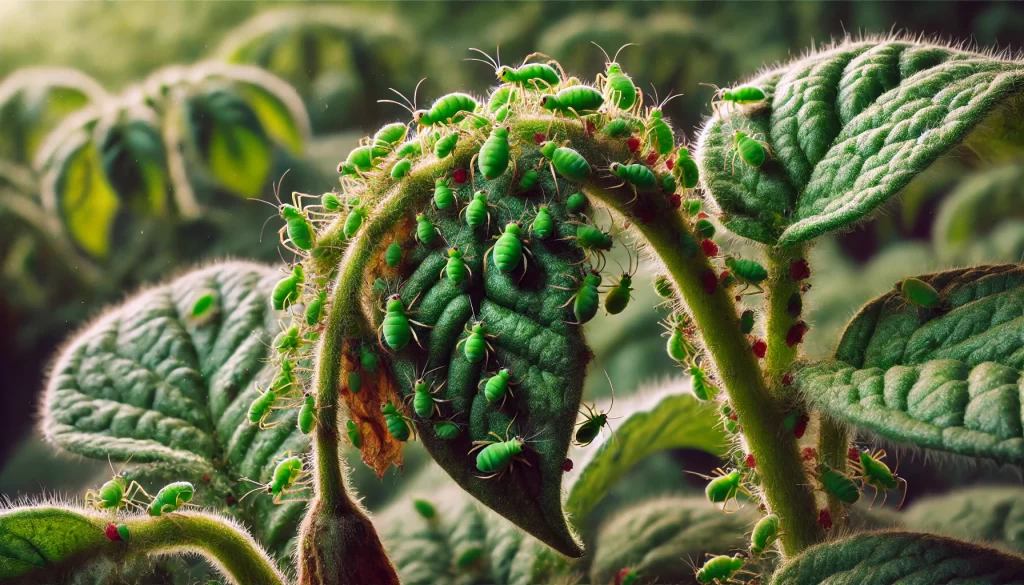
145 382
849 128
284 122
943 379
990 514
45 538
656 537
906 558
672 418
231 141
546 355
134 161
979 203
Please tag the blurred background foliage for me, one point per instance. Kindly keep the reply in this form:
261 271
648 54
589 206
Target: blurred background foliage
135 138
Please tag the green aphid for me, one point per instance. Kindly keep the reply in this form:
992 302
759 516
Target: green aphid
529 180
747 321
496 457
510 249
424 509
494 154
401 169
593 241
536 76
619 128
742 96
446 145
307 415
725 487
593 422
575 203
659 133
399 425
262 407
477 344
476 212
380 286
719 569
702 388
424 404
357 213
355 382
115 494
637 175
288 340
618 87
918 293
497 387
618 296
393 254
502 114
587 298
123 533
315 308
426 233
446 430
352 429
284 379
368 359
397 326
300 231
287 474
693 207
204 308
503 96
838 484
750 151
764 534
543 224
170 498
456 267
877 474
448 109
704 228
684 168
410 150
678 346
748 272
362 159
330 202
389 135
444 197
578 99
663 286
566 161
668 183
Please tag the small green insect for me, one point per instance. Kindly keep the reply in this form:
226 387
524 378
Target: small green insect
497 457
741 96
262 407
446 430
307 414
678 346
637 175
702 388
510 249
594 242
287 475
170 498
498 387
748 272
116 493
575 203
426 233
397 328
494 154
393 254
444 197
368 359
618 87
719 569
446 145
477 212
424 508
704 228
724 487
658 133
477 344
502 114
410 150
297 226
577 99
877 474
693 207
355 382
765 533
530 179
447 109
401 169
543 224
284 378
288 340
204 308
594 420
684 168
361 160
918 293
536 76
566 161
424 404
619 295
668 184
330 202
389 135
838 484
118 533
399 425
315 308
456 267
353 434
356 214
501 97
619 128
749 149
663 287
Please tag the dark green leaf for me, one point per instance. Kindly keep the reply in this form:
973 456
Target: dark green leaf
285 122
231 141
134 161
45 538
991 514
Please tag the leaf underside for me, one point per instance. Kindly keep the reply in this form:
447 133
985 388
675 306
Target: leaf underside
848 128
990 514
946 379
44 538
546 355
146 383
907 558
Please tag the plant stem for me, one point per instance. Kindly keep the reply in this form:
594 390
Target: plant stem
780 288
833 446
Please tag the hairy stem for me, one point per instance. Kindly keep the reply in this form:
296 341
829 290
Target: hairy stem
833 446
780 288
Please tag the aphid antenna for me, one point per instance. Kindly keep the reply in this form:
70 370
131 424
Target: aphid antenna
615 59
408 105
607 59
717 89
671 96
491 61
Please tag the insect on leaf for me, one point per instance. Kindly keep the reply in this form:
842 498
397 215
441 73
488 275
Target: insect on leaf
147 381
848 128
944 378
886 558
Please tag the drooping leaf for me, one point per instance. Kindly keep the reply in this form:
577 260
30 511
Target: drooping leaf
976 206
888 558
989 514
134 161
848 128
286 123
672 418
657 537
231 141
944 378
147 383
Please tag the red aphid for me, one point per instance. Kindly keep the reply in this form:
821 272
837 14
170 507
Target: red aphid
669 163
112 534
675 200
709 248
652 157
621 576
644 212
702 215
825 519
787 379
709 279
750 461
733 417
539 137
809 454
724 276
799 270
460 176
760 348
853 454
633 143
567 465
800 427
796 333
230 500
590 128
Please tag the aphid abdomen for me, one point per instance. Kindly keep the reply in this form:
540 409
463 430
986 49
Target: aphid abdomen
494 154
497 456
588 299
396 330
571 164
508 251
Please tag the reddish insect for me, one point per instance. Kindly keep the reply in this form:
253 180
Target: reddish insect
709 248
460 176
760 348
799 270
710 281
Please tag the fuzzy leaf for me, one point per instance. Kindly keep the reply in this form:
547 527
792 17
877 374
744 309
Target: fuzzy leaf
991 514
672 418
907 558
546 355
44 538
848 128
655 537
945 379
977 205
145 382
